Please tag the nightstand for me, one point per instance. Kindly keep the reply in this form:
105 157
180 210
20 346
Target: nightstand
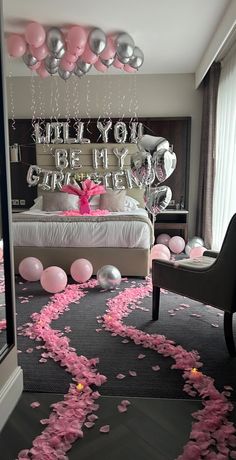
172 219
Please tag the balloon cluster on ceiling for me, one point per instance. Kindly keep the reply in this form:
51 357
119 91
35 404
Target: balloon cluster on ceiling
53 52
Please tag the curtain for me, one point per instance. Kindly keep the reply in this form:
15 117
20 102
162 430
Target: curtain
207 154
224 197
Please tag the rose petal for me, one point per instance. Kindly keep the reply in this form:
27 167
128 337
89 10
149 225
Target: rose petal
104 429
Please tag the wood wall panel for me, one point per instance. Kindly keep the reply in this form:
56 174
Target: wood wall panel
176 130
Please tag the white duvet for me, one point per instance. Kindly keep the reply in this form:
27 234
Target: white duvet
126 234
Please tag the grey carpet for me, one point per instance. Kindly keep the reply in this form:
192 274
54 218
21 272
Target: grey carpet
115 357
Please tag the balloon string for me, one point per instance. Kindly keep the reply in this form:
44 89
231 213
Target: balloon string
88 105
12 105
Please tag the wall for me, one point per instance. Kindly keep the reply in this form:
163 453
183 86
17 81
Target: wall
112 95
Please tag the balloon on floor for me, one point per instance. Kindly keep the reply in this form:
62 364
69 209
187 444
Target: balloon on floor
108 277
53 279
81 270
30 269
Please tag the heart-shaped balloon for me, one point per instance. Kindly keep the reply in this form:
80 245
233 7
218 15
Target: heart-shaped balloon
159 199
141 169
164 163
152 143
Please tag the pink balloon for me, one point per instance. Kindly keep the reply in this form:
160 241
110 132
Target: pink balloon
100 66
76 38
31 269
110 50
42 72
66 65
81 270
159 255
35 34
197 252
89 56
16 45
177 244
160 247
70 57
53 279
163 238
41 52
118 64
129 69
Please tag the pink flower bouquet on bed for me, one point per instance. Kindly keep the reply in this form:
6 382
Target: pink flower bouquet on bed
86 191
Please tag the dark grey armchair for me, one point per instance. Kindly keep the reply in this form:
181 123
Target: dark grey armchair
210 279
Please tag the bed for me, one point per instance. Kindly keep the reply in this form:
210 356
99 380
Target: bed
122 238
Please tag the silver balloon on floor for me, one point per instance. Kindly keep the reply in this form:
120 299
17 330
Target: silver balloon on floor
109 277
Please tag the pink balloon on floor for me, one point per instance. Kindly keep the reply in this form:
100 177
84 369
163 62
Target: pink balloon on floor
163 238
30 269
177 244
197 252
53 279
160 248
81 270
158 255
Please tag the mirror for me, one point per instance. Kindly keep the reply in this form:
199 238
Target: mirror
3 335
6 275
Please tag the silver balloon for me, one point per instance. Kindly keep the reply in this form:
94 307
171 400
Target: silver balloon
31 178
80 132
159 199
152 143
60 53
194 242
120 155
137 59
109 277
125 45
82 66
55 41
134 136
164 164
51 64
61 161
120 132
29 59
100 154
142 171
124 60
97 41
104 129
57 180
108 62
117 180
64 74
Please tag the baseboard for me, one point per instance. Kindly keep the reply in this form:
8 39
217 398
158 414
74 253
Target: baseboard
9 395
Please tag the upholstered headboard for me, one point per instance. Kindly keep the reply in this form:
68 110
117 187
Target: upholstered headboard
83 159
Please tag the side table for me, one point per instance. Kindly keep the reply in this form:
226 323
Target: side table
172 219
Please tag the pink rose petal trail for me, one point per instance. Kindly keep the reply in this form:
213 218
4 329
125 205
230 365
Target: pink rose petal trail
212 436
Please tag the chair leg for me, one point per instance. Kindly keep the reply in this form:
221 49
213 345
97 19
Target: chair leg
155 302
228 331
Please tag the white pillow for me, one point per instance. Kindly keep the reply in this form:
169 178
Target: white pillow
131 204
38 203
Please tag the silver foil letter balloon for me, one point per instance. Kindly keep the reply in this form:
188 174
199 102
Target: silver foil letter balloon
109 277
100 155
104 129
61 161
31 178
120 132
120 155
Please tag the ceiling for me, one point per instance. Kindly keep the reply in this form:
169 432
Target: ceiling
173 34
